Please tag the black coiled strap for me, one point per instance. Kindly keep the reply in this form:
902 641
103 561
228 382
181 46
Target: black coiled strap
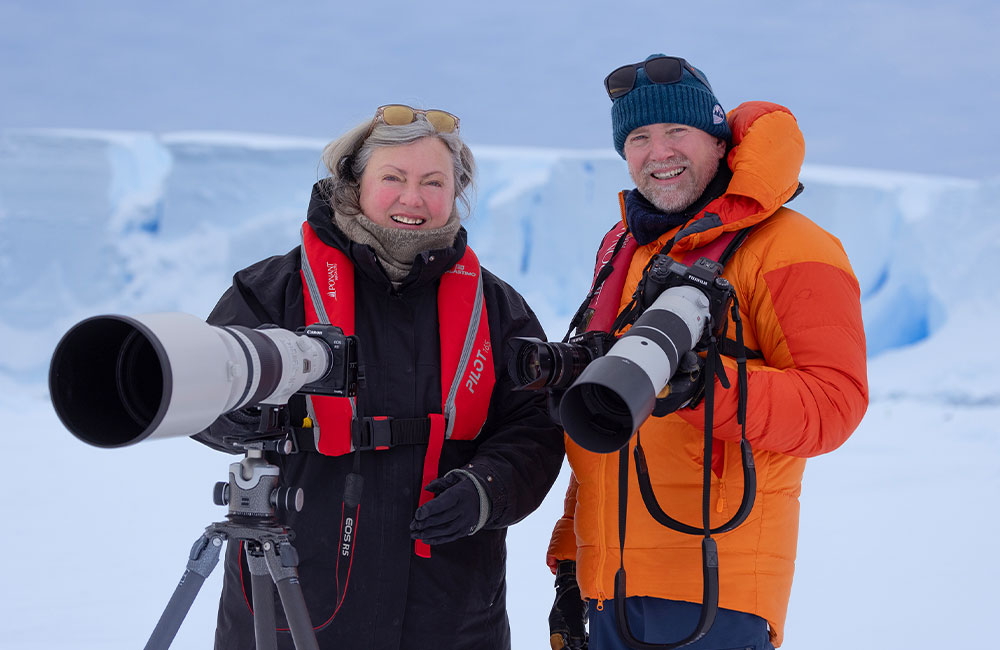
713 368
709 549
710 577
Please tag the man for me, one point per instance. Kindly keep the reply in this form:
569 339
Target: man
702 183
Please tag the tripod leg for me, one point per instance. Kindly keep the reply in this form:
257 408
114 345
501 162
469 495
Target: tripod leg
263 598
203 558
283 570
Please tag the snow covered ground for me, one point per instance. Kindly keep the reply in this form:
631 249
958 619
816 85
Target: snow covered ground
898 526
896 546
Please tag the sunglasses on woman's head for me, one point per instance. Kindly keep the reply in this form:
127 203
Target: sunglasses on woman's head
401 114
659 70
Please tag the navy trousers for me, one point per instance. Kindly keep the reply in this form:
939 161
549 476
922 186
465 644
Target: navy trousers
656 620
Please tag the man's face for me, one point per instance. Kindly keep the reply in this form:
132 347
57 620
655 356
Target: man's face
672 164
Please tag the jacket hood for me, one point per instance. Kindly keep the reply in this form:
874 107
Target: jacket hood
428 266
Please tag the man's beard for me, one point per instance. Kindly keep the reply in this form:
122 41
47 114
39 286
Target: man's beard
677 197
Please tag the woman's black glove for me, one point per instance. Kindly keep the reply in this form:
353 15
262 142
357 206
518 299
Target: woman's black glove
460 508
568 618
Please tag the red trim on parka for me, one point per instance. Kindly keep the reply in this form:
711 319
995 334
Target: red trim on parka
606 302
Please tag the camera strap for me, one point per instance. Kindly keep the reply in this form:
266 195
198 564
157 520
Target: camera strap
350 514
710 574
597 310
713 368
721 249
709 549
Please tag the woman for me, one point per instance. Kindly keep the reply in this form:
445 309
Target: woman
461 455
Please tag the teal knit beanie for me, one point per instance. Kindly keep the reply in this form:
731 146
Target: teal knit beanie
687 101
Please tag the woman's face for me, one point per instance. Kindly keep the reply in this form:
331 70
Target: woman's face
410 186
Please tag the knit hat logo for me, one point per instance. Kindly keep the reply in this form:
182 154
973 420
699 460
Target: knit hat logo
718 115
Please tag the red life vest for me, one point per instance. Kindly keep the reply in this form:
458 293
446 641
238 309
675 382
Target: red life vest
464 331
467 373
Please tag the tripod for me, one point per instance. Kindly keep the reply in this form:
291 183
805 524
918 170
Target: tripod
252 496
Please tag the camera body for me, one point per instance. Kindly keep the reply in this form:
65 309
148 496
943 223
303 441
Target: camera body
542 365
607 386
341 380
705 275
596 344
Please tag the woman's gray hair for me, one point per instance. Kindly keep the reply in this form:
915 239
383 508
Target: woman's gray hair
347 156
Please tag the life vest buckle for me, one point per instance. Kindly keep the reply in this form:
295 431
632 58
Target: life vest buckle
369 433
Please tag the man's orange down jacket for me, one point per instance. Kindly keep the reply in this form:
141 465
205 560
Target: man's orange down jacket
800 305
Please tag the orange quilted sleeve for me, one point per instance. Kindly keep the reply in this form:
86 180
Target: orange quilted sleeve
562 546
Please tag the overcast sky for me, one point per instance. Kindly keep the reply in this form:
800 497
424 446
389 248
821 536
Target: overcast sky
898 84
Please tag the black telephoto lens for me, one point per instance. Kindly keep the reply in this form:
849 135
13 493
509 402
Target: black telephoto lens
608 412
536 364
530 364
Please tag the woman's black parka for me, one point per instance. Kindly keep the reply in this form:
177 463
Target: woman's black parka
456 598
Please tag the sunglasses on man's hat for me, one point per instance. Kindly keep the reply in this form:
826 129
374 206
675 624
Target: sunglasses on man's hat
659 70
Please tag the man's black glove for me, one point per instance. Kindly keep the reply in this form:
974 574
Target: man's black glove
687 386
568 618
460 508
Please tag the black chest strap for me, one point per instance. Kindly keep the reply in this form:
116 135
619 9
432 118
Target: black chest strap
370 433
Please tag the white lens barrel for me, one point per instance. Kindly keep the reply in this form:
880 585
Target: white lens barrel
615 394
206 372
303 360
688 303
117 380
